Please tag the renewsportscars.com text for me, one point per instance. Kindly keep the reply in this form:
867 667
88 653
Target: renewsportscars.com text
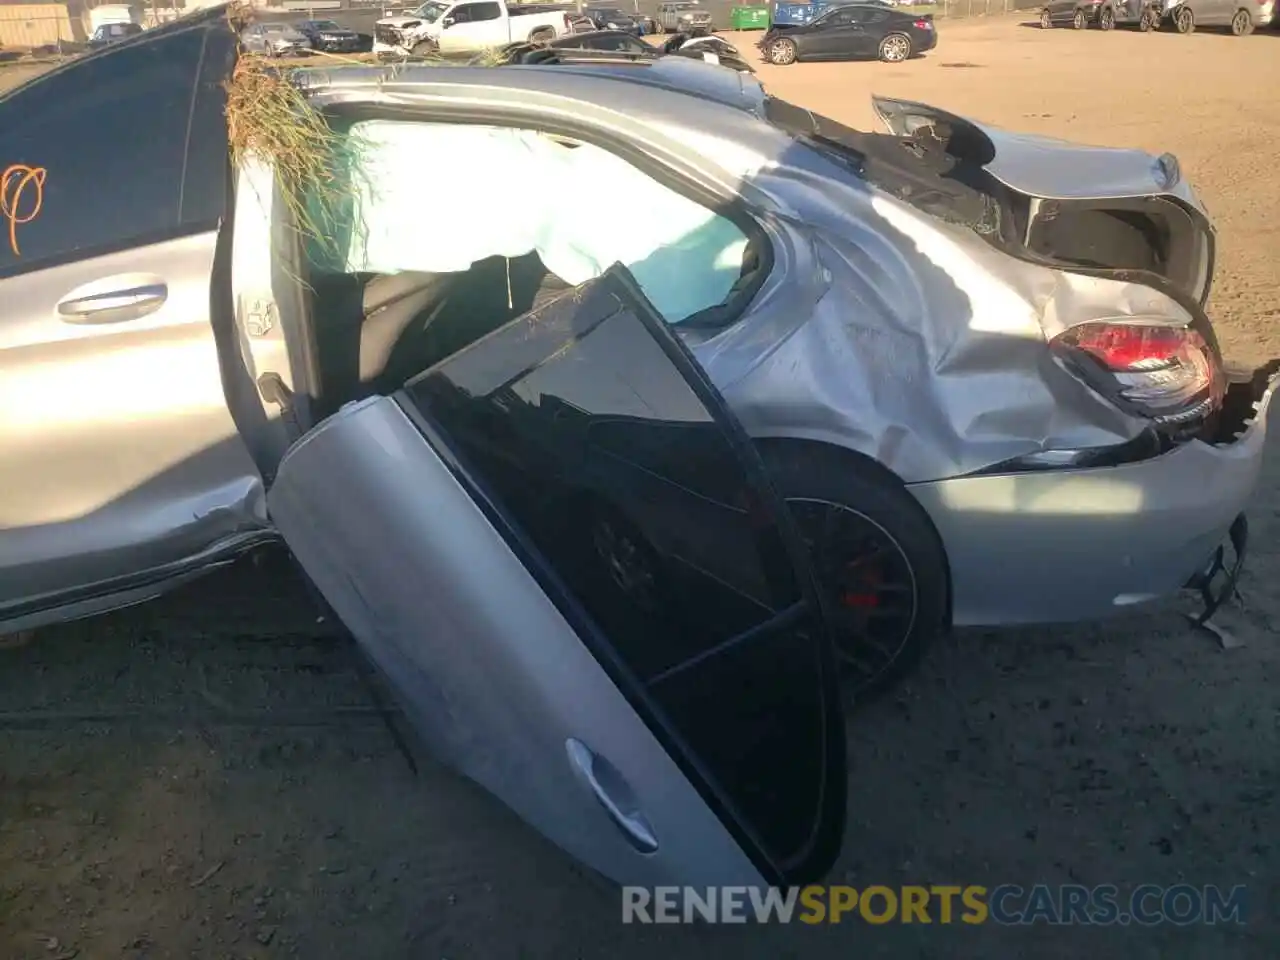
1007 904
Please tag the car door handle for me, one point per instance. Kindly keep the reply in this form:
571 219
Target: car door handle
114 306
604 780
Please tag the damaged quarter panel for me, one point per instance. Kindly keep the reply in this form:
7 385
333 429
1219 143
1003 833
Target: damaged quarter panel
899 337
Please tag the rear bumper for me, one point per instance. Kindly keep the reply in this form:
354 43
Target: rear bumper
1071 545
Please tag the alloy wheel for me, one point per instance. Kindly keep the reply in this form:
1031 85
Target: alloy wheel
1106 19
1079 21
895 48
782 52
868 585
1046 20
1241 23
1185 21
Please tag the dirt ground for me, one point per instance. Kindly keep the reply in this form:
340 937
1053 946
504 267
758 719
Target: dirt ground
133 824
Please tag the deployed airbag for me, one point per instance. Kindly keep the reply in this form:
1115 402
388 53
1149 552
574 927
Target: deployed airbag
436 198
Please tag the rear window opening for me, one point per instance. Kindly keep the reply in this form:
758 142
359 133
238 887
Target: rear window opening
418 259
940 168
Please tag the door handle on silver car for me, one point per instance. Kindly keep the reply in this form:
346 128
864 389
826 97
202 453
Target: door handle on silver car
606 782
114 306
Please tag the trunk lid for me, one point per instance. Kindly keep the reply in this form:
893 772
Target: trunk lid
1092 206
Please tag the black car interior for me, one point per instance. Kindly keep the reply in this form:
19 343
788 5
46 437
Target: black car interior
375 331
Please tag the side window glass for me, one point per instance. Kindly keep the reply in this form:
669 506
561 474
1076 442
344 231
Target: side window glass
485 11
464 13
67 200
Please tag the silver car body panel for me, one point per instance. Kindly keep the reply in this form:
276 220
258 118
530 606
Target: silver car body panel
880 330
486 662
1047 167
121 458
888 333
1107 539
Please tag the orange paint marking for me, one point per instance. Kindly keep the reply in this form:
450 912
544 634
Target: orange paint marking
14 182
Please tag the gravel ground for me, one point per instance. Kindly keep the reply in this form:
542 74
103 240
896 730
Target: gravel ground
212 775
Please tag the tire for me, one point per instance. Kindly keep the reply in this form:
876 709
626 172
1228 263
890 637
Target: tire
1107 19
782 51
1184 21
1079 21
906 567
895 48
1241 24
1148 21
1046 20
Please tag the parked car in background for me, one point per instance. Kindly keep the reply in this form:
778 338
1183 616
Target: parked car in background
469 26
683 16
1241 17
604 41
329 36
620 44
274 40
857 31
612 18
797 14
113 33
1107 14
709 48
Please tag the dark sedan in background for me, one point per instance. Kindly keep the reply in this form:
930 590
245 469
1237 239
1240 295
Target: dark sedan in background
853 32
331 37
619 44
613 18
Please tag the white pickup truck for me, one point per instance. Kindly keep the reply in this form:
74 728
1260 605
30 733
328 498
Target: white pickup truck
468 26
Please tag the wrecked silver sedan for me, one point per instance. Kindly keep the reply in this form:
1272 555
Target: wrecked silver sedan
604 492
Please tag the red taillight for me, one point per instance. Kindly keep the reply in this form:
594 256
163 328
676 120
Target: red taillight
1168 373
922 24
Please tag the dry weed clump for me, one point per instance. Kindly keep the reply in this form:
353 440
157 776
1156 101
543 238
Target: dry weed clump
268 117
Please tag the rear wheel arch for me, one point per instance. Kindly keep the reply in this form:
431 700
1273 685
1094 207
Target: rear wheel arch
827 460
898 38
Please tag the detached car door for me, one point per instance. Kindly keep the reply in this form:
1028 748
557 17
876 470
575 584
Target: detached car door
563 553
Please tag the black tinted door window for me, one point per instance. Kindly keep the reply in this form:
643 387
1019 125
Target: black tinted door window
841 18
109 133
593 448
485 11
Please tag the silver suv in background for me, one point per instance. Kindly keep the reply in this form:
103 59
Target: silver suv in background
683 16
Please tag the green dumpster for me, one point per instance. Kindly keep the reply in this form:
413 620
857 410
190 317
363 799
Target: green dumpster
749 18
